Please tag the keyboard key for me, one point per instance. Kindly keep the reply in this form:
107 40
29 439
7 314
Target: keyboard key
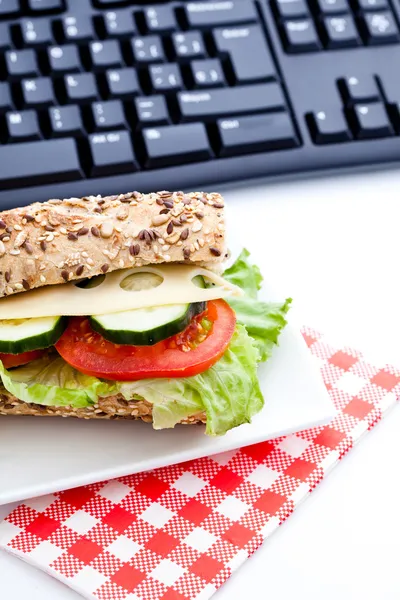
21 63
105 54
118 23
380 28
5 98
111 153
207 73
77 28
212 104
249 56
300 36
290 9
165 78
372 4
22 126
37 93
107 115
65 121
188 45
54 161
80 88
147 49
332 7
255 134
167 146
151 110
359 89
209 14
42 6
5 36
329 126
9 8
122 83
36 33
341 32
371 121
160 19
63 59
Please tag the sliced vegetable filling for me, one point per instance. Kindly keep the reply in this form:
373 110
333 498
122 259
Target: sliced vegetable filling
146 326
24 335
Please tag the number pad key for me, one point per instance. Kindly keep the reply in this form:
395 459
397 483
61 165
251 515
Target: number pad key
22 126
80 88
65 121
160 19
36 33
188 45
122 83
37 93
63 59
105 54
207 73
165 78
77 28
151 111
21 63
107 115
118 23
111 153
341 32
147 49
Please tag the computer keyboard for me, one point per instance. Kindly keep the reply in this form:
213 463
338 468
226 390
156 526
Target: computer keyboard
104 96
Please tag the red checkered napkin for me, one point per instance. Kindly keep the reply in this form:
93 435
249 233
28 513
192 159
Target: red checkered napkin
179 532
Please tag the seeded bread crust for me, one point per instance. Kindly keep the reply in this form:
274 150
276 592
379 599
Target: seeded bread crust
113 407
62 240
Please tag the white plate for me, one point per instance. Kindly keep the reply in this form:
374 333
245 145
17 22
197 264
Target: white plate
43 455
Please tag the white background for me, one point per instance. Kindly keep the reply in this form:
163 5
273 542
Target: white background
334 246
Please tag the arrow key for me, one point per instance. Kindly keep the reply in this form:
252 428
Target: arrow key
370 121
328 126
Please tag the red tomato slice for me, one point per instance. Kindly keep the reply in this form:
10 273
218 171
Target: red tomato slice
16 360
182 355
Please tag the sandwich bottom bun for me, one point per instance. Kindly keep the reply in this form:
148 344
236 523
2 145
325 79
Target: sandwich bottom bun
112 407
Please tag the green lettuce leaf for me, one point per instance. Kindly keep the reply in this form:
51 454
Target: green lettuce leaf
228 392
51 381
264 321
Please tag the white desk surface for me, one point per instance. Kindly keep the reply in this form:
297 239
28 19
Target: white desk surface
334 246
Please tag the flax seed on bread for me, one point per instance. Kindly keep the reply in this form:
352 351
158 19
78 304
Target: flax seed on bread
62 240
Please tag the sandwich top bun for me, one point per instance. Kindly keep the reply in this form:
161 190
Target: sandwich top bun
62 240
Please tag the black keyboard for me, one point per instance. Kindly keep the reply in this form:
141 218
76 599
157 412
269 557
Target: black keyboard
104 96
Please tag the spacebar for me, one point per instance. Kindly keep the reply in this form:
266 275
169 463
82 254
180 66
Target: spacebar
34 163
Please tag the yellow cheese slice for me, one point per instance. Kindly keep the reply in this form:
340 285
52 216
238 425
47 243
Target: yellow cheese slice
109 296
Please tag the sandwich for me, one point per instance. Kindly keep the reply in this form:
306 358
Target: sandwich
121 308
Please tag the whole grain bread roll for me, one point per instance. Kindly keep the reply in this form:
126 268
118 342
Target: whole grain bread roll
112 407
60 240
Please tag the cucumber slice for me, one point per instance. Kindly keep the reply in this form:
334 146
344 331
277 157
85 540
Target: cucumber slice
23 335
146 326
